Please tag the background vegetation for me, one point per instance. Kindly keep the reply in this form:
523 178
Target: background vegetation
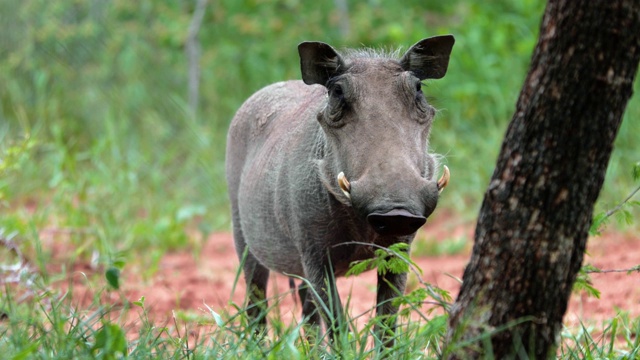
97 139
98 89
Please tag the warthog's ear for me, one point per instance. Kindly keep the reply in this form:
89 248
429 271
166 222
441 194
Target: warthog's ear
429 58
319 62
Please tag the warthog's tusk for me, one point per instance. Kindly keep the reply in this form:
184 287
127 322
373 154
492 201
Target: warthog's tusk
344 185
444 180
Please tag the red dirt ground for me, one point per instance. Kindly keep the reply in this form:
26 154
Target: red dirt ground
185 282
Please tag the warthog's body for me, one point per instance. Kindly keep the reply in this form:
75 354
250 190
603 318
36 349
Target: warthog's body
290 141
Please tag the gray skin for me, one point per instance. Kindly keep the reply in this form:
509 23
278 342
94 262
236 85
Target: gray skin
361 113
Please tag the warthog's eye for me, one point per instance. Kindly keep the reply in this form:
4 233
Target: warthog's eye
338 93
421 103
337 105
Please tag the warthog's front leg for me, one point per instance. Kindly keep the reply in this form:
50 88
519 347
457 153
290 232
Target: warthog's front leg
390 285
309 309
322 299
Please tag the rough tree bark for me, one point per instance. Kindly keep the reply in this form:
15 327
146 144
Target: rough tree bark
533 224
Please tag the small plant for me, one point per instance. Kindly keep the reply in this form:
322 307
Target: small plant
110 342
624 209
396 259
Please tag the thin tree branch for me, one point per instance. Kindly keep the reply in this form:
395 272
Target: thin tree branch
192 48
617 208
600 271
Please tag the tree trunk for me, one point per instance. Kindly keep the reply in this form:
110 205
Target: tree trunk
533 225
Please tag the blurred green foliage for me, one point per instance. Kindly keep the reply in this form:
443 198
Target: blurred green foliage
100 88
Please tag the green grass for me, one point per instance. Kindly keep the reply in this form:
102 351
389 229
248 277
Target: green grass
613 339
50 324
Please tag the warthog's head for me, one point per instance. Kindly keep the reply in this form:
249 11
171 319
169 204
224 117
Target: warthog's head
377 125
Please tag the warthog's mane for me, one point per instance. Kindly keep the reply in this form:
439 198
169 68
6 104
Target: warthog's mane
371 53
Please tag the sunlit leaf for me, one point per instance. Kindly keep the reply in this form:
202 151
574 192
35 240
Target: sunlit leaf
140 302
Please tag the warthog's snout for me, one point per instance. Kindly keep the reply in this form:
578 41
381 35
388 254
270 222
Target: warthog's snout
406 216
397 222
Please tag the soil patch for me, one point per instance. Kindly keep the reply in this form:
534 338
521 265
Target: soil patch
185 281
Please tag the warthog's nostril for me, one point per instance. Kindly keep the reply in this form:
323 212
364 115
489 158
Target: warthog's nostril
396 222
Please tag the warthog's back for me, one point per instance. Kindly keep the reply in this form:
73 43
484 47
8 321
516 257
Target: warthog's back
273 112
269 147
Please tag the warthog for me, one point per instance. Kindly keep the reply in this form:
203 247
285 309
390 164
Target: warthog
316 168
